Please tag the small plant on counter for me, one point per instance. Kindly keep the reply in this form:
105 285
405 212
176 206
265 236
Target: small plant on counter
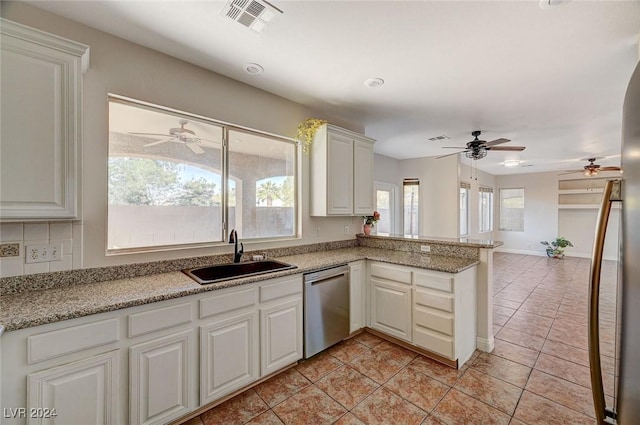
555 249
372 219
307 130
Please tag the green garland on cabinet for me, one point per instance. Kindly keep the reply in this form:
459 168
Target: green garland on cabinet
307 130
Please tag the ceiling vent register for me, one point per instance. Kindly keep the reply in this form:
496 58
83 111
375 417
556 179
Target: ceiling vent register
253 14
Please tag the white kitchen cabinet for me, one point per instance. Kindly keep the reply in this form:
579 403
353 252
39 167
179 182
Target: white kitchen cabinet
357 295
40 139
391 308
160 379
432 310
281 338
228 355
444 311
341 173
83 392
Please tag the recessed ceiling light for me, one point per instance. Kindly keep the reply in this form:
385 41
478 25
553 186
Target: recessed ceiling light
374 82
512 162
253 68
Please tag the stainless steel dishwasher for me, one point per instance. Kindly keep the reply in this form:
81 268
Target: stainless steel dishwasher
326 308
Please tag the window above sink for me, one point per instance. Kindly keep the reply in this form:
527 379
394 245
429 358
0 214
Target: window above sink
177 180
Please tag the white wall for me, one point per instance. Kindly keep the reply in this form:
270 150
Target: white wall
543 221
477 178
438 194
120 67
540 211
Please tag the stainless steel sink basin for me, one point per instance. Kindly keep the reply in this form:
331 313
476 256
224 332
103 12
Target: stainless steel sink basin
220 272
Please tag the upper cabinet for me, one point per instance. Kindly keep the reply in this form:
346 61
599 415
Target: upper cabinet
341 173
40 139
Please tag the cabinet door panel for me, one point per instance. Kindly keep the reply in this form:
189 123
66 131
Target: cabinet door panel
356 296
280 335
160 379
340 175
81 393
228 356
41 88
391 308
362 178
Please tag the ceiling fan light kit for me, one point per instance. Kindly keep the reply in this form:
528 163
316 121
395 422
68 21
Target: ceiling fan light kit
592 169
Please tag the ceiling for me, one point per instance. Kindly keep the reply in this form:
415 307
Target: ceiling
551 79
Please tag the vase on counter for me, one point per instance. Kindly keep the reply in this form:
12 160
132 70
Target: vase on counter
367 229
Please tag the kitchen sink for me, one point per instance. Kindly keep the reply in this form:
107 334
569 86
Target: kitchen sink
221 272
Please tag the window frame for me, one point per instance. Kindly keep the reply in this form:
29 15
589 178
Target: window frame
466 187
489 210
410 182
224 176
500 209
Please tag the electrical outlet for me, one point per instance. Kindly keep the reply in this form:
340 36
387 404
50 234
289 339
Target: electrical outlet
42 253
317 231
346 230
425 248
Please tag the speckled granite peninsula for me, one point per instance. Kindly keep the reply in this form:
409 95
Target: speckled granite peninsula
28 301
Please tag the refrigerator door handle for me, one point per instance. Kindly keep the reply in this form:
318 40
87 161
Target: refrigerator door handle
612 193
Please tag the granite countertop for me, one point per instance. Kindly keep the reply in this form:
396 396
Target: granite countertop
473 243
33 308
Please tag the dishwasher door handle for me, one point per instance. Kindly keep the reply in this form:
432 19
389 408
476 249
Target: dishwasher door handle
326 279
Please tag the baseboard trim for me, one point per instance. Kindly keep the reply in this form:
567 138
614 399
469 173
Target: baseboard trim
485 344
544 254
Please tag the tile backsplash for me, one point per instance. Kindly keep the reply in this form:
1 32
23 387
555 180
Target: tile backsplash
24 234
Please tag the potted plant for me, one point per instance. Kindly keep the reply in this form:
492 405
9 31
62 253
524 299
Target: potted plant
370 221
555 249
306 130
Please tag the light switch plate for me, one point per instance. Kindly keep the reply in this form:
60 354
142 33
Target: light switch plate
40 253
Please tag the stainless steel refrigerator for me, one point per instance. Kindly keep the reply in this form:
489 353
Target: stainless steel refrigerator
624 407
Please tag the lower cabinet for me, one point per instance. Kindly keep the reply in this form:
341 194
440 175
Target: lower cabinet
357 295
431 310
280 335
79 393
228 356
160 379
173 356
391 308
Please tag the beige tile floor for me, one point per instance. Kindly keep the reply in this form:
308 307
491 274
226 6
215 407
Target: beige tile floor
537 374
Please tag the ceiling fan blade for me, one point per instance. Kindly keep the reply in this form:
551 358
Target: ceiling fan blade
571 172
505 148
609 169
444 156
151 134
158 142
452 147
497 142
195 148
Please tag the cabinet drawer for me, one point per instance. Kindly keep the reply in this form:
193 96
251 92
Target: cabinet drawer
227 302
441 282
440 301
70 340
432 341
395 273
441 322
155 320
281 288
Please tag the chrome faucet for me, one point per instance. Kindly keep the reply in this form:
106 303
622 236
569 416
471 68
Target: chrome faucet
233 238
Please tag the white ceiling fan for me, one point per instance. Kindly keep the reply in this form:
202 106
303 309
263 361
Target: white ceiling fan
181 135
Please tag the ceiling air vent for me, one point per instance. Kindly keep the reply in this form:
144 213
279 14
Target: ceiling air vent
253 14
438 138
